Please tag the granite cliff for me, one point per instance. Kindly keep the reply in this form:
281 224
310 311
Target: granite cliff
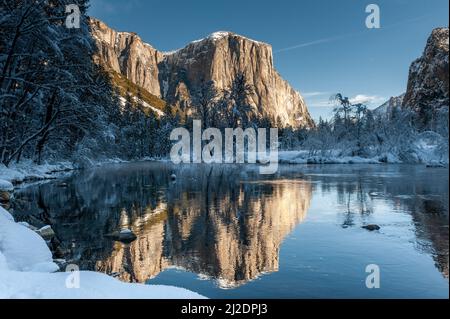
222 56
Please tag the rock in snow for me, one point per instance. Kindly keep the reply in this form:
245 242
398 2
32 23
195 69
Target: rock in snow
46 232
28 271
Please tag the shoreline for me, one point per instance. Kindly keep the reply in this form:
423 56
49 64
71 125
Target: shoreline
27 173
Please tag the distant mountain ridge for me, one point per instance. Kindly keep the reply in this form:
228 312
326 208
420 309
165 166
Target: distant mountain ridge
174 77
392 103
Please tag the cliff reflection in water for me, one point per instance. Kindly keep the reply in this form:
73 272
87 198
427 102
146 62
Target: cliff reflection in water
213 221
228 232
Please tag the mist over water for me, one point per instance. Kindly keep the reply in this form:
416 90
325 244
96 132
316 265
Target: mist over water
225 231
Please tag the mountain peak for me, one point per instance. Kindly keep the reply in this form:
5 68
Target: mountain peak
428 82
220 35
219 58
441 35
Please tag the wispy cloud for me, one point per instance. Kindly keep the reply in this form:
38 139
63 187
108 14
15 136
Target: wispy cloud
367 99
321 103
315 94
315 42
348 35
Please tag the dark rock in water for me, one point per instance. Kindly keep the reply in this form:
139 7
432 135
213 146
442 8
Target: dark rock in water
125 236
173 177
371 227
435 165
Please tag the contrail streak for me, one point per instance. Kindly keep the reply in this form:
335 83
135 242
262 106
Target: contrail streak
347 35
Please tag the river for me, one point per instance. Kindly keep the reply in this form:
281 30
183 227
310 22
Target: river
225 231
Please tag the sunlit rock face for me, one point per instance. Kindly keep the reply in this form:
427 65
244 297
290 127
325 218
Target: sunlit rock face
220 58
127 54
428 83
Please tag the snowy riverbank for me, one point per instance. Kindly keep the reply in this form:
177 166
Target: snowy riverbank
422 156
28 271
303 157
28 171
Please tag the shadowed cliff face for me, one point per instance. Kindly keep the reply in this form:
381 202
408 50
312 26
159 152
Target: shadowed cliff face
220 58
428 83
126 54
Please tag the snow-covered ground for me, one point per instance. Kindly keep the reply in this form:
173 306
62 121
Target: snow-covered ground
303 157
425 150
157 111
28 271
28 171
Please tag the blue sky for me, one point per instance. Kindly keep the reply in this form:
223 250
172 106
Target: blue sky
321 47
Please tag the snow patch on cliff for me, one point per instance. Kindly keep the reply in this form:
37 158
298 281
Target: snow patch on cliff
219 35
123 102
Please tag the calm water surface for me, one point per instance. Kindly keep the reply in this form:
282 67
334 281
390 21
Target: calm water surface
228 232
